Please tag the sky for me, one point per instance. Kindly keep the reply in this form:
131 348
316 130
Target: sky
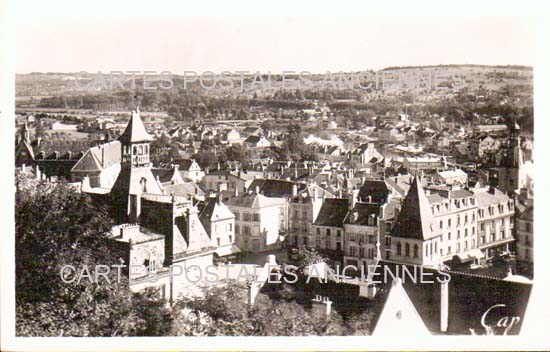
275 44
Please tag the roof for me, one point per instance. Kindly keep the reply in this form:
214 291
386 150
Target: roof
363 212
399 314
252 200
486 198
333 212
415 219
100 157
275 188
527 214
135 130
376 189
164 175
212 210
184 189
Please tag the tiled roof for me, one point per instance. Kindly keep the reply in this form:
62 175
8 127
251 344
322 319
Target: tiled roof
333 212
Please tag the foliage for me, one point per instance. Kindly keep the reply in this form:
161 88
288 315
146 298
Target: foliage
56 226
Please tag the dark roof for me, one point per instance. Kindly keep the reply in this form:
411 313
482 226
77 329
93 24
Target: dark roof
376 189
164 175
527 214
415 219
363 212
275 188
469 298
333 212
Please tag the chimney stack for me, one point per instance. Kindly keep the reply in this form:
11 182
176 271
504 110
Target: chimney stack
257 189
294 189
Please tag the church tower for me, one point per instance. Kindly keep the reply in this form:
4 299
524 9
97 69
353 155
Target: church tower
512 162
135 143
135 177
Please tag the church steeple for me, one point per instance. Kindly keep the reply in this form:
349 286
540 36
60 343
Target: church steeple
135 142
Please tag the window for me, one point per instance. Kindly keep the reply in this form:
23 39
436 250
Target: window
256 217
318 232
218 241
458 234
237 229
466 218
458 220
482 226
449 236
338 233
465 232
441 224
474 243
415 250
407 250
230 238
318 243
230 227
449 250
465 245
328 232
398 248
371 238
388 241
352 251
482 239
449 223
458 247
473 230
361 252
246 230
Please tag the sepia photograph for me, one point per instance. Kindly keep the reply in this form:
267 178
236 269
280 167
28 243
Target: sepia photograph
282 176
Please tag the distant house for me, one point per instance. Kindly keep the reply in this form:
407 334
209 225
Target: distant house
232 136
451 177
257 142
59 126
190 169
364 154
252 131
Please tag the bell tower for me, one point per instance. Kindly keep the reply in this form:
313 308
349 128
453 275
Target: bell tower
135 143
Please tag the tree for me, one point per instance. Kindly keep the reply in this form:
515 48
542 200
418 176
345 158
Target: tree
56 226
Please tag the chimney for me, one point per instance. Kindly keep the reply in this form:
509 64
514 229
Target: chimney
444 311
294 189
257 189
23 168
236 191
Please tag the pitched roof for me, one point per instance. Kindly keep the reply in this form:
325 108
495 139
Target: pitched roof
252 200
376 189
527 214
363 212
212 210
99 157
275 188
415 219
135 130
333 212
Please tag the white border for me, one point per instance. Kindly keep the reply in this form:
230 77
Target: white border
534 334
